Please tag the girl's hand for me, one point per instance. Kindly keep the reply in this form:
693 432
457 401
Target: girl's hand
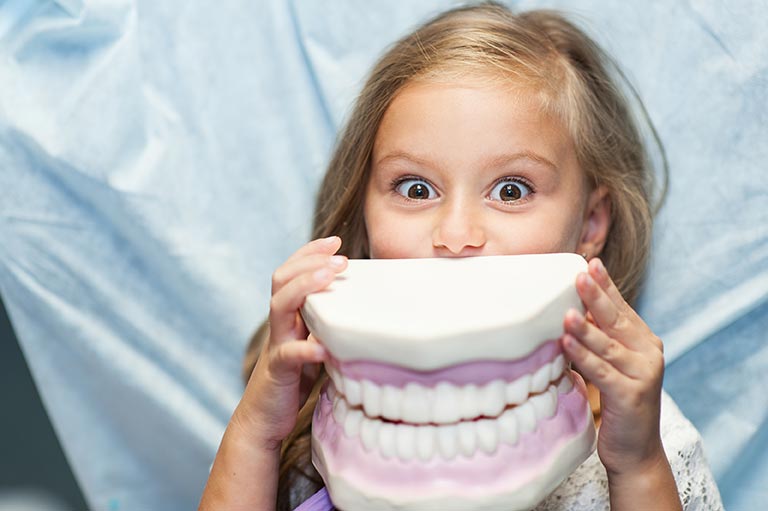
621 356
244 474
289 360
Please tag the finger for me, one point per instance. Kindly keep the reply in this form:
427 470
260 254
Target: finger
285 303
627 362
605 313
294 267
314 340
287 360
300 328
327 246
600 275
310 371
620 322
595 369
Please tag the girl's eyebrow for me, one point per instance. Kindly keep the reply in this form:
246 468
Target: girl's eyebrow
528 156
493 162
401 155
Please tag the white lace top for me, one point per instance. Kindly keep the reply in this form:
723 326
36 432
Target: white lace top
587 488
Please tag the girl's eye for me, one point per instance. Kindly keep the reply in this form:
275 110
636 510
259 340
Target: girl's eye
510 191
416 189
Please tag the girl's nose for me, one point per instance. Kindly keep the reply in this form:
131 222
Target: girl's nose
459 231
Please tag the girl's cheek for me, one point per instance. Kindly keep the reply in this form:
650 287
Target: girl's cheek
396 236
398 247
385 243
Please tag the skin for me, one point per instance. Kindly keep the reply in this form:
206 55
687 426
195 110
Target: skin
444 159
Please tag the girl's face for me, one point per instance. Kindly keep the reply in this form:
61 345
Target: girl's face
467 170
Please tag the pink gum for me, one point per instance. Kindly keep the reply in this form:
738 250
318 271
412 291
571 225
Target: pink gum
478 372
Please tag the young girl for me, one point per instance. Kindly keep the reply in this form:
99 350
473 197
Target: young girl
481 133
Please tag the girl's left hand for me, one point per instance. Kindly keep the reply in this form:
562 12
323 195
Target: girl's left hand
615 350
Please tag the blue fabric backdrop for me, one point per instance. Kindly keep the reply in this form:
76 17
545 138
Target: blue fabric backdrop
159 159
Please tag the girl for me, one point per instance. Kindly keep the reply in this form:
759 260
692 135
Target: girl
481 133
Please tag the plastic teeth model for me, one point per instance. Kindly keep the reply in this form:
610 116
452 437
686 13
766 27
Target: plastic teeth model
448 389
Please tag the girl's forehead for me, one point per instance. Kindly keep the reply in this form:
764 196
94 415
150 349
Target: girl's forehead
471 97
467 119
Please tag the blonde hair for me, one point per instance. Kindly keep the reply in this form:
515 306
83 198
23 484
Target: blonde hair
574 79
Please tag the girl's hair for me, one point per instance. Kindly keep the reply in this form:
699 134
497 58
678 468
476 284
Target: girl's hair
539 52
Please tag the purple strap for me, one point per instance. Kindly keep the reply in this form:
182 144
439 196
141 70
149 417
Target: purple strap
320 501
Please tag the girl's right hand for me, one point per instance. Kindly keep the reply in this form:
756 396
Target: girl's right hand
273 395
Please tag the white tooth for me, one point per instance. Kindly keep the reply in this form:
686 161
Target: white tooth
353 422
544 404
444 407
415 405
405 438
558 365
492 398
553 390
447 441
425 442
371 399
540 378
537 405
508 427
331 392
526 417
335 377
468 401
339 383
518 390
565 385
339 409
391 399
369 433
467 438
352 391
387 440
487 435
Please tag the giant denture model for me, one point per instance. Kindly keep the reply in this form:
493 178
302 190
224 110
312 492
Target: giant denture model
448 389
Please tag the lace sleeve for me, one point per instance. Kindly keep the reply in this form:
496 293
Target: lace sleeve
684 448
587 487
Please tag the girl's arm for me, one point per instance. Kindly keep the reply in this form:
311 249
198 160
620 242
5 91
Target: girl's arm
244 475
620 355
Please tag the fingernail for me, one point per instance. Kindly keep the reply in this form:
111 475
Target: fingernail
322 274
575 317
337 261
329 239
569 342
600 267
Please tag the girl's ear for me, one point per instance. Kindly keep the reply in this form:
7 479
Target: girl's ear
597 223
